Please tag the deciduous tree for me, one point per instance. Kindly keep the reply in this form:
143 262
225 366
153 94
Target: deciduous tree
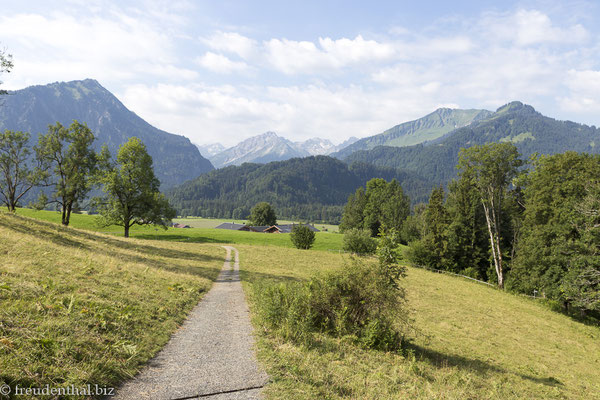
17 175
262 214
132 190
68 152
491 168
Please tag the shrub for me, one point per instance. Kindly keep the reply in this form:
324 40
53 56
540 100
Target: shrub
302 237
359 241
357 301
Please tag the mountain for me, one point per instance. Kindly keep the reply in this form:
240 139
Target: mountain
209 150
516 122
258 149
312 188
344 144
427 128
315 146
32 109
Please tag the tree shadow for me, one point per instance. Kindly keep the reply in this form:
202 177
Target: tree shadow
443 360
62 236
180 238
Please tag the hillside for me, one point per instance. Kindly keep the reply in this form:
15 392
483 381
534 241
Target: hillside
79 307
471 342
311 188
521 124
427 128
32 109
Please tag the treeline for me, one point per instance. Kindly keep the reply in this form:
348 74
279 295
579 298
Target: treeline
64 163
532 231
311 188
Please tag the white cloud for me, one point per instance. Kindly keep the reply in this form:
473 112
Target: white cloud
111 47
584 96
220 64
231 42
301 57
531 27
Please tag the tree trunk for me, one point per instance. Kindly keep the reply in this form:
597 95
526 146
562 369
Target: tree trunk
495 245
64 215
126 230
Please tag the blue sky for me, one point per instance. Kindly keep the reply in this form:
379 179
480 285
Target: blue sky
222 71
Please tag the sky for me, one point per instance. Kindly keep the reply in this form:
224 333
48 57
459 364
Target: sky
223 71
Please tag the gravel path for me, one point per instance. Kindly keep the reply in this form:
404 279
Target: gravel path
211 356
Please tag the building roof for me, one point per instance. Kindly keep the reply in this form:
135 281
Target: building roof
231 226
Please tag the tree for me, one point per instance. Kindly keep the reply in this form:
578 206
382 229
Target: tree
353 216
359 241
302 237
132 189
381 204
262 214
491 167
559 248
6 65
68 151
17 177
468 247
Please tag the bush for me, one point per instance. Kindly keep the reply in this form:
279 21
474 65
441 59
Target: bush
359 241
302 237
356 301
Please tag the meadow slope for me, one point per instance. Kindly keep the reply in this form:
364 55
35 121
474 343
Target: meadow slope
473 342
79 307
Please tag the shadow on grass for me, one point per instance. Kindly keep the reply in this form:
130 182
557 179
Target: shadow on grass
443 360
181 238
61 235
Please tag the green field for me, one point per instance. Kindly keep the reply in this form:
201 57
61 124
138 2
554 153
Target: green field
198 222
77 306
324 240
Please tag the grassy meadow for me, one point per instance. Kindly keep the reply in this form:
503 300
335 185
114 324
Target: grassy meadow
472 342
323 241
198 222
79 307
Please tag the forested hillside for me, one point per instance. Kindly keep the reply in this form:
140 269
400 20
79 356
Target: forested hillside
427 128
515 122
312 188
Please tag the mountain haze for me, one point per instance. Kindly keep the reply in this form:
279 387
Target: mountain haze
427 128
32 109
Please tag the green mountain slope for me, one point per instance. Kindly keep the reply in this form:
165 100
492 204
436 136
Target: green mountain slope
312 188
32 109
529 130
430 127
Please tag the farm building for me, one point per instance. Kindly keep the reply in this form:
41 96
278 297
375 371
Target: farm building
287 228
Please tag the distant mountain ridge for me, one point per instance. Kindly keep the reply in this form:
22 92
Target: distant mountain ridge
268 147
515 122
427 128
32 109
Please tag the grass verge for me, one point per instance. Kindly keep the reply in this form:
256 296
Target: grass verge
78 307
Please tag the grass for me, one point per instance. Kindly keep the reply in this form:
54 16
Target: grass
198 222
79 307
324 240
475 342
